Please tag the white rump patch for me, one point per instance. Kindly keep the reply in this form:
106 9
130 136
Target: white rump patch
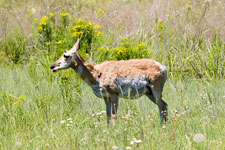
162 67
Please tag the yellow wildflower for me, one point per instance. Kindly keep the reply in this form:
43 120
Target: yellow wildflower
10 95
106 50
22 97
16 102
97 26
87 55
161 20
61 14
78 27
64 14
100 11
74 34
79 20
31 59
80 32
125 38
60 42
160 25
48 43
98 33
141 45
51 15
43 20
189 5
89 23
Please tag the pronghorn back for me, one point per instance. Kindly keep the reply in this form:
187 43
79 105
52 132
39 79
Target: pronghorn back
112 70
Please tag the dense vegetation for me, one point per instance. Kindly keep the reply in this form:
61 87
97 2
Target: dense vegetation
42 110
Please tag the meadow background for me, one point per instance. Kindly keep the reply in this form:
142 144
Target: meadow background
44 110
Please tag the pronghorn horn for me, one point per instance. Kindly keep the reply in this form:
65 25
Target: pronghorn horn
76 46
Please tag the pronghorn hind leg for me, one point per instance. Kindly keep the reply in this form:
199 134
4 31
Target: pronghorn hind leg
156 97
152 98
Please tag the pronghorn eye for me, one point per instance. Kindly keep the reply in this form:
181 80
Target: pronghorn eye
66 56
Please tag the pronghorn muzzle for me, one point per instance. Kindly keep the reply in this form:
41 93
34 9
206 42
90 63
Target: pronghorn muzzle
53 68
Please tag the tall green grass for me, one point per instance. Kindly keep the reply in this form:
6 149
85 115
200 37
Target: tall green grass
186 36
53 114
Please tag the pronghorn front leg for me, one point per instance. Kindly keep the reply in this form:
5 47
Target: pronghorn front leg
114 98
108 104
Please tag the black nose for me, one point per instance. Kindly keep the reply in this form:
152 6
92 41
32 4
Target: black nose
52 67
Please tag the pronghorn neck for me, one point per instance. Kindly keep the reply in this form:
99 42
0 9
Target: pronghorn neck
85 70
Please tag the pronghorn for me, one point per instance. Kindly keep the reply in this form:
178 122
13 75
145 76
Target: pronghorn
113 79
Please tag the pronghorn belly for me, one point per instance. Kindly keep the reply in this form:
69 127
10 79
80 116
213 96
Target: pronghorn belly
132 87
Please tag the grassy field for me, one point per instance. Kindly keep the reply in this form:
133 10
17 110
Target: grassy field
39 113
44 110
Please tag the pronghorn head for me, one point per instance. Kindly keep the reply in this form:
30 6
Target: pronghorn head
66 60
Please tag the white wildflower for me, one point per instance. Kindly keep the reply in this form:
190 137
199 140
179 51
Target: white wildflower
132 142
135 141
128 147
115 147
18 143
101 112
69 125
138 141
69 119
62 122
198 137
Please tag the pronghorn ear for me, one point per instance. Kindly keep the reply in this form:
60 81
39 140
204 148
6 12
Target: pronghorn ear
76 47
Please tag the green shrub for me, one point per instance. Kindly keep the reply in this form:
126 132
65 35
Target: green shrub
127 50
57 36
14 45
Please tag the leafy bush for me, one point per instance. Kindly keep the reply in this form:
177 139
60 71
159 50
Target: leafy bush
14 45
64 33
127 50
